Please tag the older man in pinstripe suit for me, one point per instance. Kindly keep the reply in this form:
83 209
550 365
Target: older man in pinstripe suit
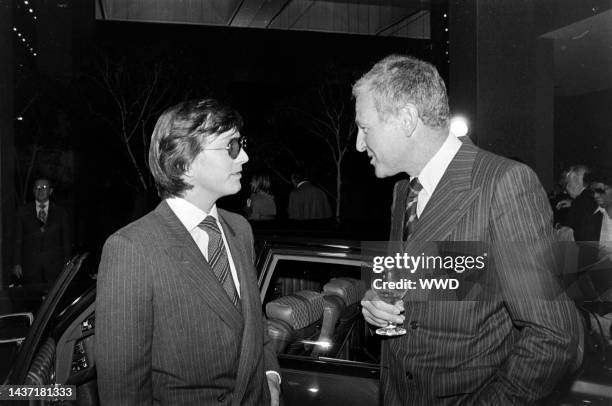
507 345
178 313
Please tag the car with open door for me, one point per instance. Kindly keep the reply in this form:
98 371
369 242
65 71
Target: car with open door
310 291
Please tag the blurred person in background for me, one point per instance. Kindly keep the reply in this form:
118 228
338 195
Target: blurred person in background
581 204
260 205
43 240
307 201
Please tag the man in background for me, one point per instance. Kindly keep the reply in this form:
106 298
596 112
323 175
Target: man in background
43 238
580 207
307 201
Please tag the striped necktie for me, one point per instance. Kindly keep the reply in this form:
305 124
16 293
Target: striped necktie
217 259
42 214
410 214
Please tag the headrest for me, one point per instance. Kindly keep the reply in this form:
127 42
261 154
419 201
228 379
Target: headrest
299 310
349 289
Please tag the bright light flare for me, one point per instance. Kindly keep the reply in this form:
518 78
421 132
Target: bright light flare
459 126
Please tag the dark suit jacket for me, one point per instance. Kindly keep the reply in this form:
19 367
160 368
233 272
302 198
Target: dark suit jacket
504 341
42 251
166 331
308 202
593 278
579 216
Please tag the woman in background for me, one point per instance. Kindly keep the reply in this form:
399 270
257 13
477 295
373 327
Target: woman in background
260 205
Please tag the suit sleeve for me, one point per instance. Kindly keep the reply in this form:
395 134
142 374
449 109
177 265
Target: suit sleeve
548 324
124 323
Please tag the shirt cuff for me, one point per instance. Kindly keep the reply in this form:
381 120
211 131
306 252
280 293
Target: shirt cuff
275 373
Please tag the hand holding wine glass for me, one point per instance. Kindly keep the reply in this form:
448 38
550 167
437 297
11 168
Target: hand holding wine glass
391 288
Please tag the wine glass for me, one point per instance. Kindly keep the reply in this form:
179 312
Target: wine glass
391 294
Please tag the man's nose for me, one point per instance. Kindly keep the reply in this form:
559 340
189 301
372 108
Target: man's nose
243 158
360 144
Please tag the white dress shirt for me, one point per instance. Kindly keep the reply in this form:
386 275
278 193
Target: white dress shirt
42 206
190 216
606 225
434 169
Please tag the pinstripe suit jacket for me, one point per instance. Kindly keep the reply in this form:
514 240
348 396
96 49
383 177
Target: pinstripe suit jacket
501 345
166 331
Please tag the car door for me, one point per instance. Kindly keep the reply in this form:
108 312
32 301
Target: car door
342 367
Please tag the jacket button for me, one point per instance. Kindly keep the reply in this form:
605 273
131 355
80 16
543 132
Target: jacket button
414 325
409 376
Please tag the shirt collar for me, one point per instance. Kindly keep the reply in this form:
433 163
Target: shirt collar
603 211
189 214
42 205
434 169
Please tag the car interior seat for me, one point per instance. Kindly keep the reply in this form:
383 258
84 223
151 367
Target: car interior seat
294 320
341 308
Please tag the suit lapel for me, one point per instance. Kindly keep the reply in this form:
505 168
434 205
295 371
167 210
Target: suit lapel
453 195
51 212
192 265
249 299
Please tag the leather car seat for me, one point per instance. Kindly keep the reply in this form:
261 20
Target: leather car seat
342 297
293 319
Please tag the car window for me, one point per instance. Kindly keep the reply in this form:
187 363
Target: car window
313 309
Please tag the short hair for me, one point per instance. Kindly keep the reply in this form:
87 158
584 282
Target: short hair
299 174
260 182
397 80
581 170
179 136
599 175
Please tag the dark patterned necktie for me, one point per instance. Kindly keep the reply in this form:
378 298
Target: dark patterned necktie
410 214
42 215
217 258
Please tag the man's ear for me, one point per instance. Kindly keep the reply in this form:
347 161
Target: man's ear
409 118
50 191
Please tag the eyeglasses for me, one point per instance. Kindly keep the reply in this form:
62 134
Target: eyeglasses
41 187
233 148
599 190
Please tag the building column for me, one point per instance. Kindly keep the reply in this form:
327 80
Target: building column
501 81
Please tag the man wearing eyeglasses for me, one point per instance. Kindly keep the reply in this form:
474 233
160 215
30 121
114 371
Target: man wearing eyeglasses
43 238
178 312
